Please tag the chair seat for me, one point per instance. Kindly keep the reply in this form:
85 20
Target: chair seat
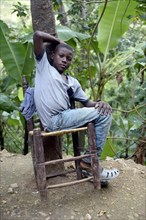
60 132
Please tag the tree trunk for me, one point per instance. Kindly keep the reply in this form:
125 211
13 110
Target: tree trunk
42 16
43 20
140 152
1 138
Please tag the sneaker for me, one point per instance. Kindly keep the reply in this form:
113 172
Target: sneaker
102 182
108 175
105 174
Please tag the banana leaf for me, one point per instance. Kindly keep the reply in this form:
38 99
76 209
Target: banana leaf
12 54
16 57
67 34
6 104
109 150
114 23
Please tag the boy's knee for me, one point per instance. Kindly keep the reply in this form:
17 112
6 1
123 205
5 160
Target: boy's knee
109 117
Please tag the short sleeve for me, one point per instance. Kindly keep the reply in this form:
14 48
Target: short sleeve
39 57
41 62
79 94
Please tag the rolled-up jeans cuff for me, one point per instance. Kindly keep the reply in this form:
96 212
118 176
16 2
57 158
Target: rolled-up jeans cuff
88 159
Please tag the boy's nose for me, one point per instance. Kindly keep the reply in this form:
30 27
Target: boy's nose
64 59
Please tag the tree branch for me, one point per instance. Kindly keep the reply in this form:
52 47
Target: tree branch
129 111
124 138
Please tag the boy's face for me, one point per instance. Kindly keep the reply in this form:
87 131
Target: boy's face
62 58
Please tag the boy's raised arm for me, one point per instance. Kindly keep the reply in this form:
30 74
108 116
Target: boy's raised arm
39 38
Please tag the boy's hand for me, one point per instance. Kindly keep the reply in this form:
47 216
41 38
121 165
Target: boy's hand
103 108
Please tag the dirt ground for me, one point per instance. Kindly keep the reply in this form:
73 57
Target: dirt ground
123 199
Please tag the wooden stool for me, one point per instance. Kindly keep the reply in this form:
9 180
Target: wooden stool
39 163
36 141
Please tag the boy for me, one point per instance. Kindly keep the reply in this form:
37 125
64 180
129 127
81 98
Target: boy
51 94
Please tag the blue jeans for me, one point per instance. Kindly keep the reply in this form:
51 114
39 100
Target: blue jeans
73 118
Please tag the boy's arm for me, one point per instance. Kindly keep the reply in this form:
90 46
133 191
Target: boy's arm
89 103
39 38
103 107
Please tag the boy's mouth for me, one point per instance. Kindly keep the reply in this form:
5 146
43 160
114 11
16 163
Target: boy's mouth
63 67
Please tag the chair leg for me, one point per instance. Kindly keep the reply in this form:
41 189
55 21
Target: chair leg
40 170
94 158
75 139
32 153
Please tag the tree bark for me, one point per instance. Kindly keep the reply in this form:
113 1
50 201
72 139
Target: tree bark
43 20
140 152
42 16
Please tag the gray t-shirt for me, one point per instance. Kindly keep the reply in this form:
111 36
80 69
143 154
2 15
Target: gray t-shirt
50 92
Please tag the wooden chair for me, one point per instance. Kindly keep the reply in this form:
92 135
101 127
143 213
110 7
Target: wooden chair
36 136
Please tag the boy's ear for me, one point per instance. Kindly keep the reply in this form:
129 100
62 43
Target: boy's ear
52 55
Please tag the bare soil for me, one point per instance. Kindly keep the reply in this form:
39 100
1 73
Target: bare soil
123 199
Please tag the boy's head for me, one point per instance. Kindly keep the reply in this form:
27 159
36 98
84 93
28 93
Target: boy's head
62 57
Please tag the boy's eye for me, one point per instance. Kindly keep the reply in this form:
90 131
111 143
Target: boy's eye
69 59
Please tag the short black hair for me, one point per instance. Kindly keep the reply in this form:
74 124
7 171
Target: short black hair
52 48
63 45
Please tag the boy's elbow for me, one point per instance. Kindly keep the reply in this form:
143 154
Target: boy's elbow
37 35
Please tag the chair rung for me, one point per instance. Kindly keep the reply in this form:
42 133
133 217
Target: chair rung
69 183
59 133
66 159
61 173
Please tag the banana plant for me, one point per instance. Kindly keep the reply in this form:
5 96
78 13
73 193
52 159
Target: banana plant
114 23
115 18
16 56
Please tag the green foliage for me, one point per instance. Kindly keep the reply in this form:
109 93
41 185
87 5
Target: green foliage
141 9
12 131
8 55
20 9
15 55
116 61
17 59
109 150
81 15
6 104
115 22
66 34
